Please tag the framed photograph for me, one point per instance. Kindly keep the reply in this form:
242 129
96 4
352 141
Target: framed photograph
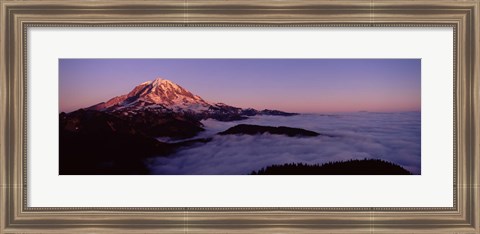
240 116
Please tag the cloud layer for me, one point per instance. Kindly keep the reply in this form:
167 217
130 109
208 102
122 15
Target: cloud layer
393 137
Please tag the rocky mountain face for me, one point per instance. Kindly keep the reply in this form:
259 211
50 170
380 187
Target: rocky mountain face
163 96
160 93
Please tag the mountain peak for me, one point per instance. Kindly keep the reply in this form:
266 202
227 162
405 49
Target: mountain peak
161 92
164 84
163 96
160 80
157 81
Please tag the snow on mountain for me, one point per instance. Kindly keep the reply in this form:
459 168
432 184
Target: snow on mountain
164 96
159 93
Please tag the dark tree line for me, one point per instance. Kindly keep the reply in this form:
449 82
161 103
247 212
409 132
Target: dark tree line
350 167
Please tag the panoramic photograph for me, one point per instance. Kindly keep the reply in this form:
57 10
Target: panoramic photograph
240 117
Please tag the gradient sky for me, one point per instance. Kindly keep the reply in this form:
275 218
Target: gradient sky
295 85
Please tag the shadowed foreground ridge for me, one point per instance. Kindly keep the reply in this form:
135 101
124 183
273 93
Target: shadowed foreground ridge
96 143
350 167
250 129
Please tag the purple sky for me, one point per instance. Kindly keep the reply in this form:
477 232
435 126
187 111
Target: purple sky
296 85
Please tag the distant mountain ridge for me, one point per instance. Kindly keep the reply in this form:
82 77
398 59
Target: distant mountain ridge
251 129
164 96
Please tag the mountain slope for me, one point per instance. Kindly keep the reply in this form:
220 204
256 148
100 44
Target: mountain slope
164 96
159 92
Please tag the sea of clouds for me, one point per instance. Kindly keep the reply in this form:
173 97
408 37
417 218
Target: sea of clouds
394 137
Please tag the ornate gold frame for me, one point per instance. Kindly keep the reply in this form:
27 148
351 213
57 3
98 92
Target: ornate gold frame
17 16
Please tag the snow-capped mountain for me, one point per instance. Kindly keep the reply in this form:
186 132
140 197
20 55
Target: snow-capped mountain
159 93
164 96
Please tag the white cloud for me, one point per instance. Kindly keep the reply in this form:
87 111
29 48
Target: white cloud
392 137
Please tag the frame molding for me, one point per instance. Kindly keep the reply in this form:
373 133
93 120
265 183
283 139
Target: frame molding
17 16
